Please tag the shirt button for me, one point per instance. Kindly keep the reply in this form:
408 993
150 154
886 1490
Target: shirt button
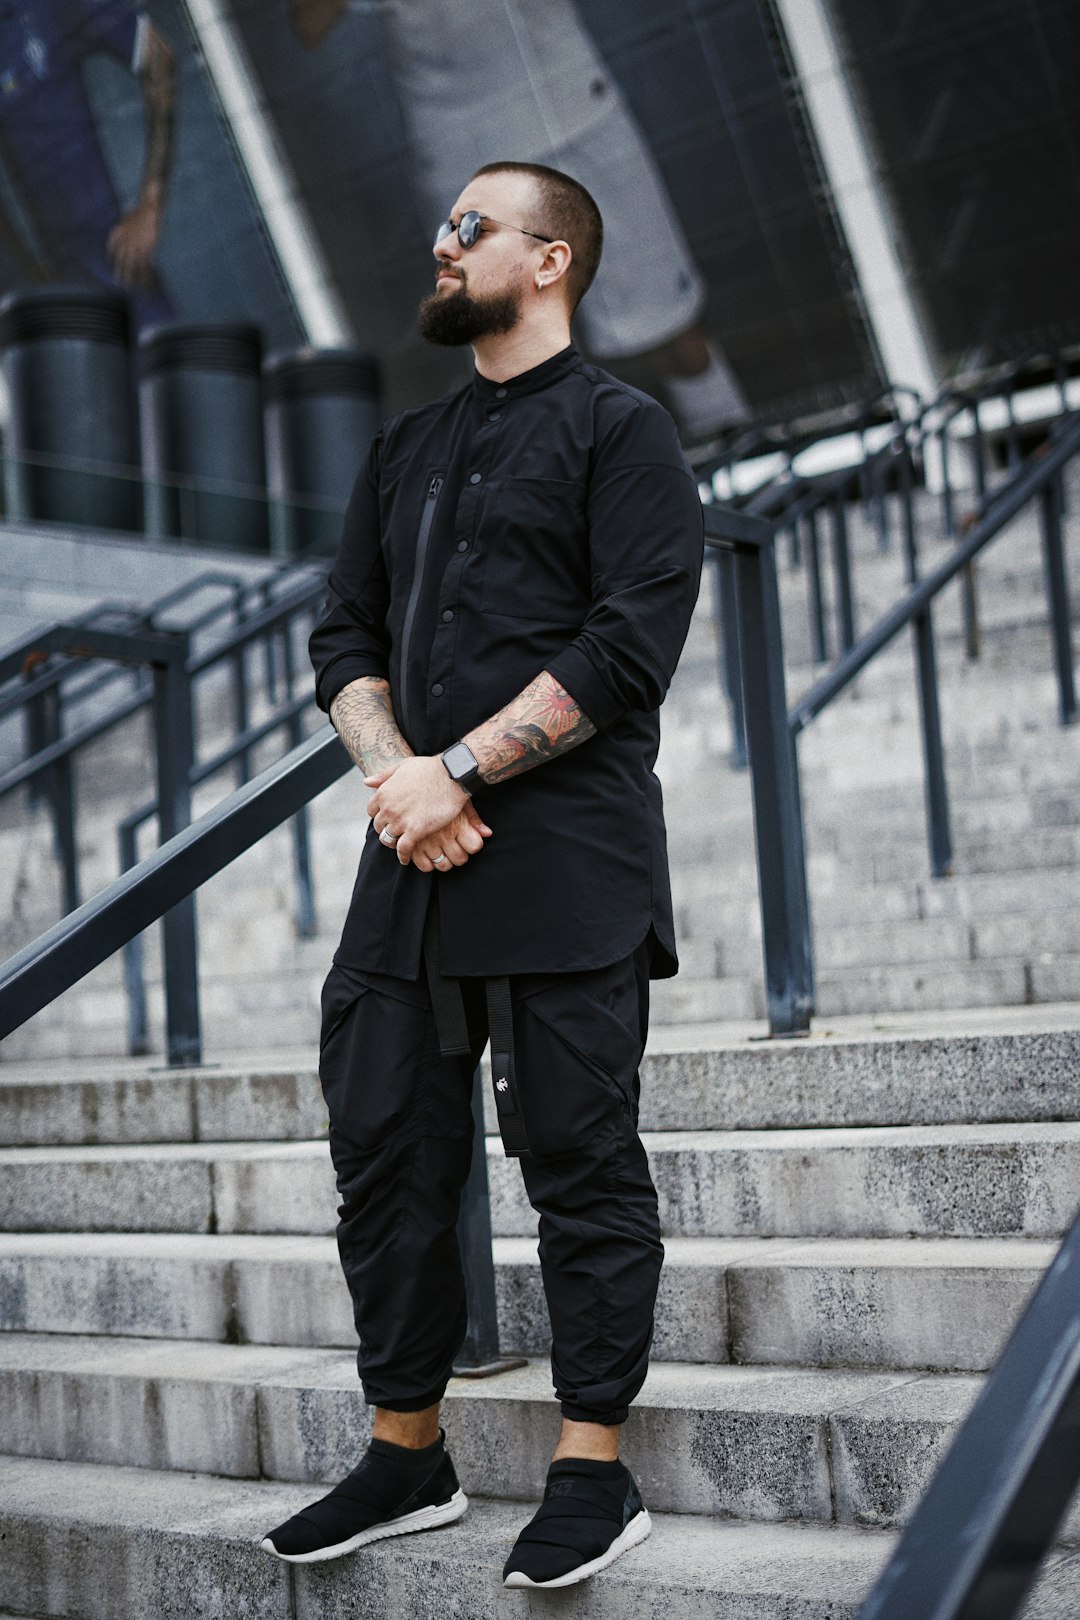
493 416
436 690
500 393
447 616
474 478
463 545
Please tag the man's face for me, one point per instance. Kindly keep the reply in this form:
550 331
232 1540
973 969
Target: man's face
479 291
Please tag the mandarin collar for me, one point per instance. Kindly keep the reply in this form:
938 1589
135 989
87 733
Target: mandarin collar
527 382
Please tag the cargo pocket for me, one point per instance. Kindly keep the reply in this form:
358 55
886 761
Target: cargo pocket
577 1064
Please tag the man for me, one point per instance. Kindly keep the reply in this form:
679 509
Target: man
514 585
51 149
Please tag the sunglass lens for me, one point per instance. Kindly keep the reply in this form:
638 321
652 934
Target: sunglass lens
445 229
469 228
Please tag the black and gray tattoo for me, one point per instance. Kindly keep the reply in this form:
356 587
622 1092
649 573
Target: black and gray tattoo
363 716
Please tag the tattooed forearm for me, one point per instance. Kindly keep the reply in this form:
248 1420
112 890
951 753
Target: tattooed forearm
363 716
541 723
159 100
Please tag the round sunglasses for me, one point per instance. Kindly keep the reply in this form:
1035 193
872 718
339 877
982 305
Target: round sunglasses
469 233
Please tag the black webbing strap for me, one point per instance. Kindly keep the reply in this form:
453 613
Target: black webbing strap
447 1002
501 1028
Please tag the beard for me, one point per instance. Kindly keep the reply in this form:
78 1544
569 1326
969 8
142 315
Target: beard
458 317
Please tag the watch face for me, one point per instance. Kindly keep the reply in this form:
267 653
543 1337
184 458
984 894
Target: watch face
459 760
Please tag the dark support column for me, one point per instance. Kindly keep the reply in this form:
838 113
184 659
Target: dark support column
726 621
880 508
785 919
301 823
138 1021
1057 590
936 789
845 601
67 849
175 743
818 636
45 727
479 1355
241 706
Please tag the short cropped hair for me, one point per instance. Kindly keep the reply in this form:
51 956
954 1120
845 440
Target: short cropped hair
568 211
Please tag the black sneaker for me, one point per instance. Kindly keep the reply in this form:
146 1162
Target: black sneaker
591 1513
391 1491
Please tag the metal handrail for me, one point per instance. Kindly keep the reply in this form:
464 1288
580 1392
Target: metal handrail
166 881
50 768
253 628
132 902
973 1546
999 509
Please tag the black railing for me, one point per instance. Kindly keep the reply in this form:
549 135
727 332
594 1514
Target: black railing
746 552
1039 479
800 505
973 1546
136 645
164 884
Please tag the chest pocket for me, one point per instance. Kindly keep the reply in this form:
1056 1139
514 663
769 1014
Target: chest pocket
536 550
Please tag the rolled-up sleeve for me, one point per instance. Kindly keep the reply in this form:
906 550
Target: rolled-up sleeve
646 537
351 639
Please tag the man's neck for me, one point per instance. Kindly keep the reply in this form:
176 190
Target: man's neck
510 353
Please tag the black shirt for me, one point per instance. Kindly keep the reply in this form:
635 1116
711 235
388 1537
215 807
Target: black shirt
548 522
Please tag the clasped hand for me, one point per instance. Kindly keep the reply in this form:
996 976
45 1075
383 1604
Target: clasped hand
427 813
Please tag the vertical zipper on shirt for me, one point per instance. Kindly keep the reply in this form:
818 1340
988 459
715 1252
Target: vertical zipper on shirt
431 500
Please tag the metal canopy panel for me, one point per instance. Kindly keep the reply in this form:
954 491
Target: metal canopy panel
707 85
974 113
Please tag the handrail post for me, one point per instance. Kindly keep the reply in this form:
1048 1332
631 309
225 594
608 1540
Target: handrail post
306 925
842 563
44 726
936 787
726 622
1057 590
781 856
819 645
479 1355
175 743
138 1023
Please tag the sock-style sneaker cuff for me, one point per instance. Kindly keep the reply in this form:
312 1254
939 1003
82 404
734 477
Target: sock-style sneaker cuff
409 1457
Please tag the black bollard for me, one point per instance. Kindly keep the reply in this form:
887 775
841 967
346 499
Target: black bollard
322 412
69 453
200 419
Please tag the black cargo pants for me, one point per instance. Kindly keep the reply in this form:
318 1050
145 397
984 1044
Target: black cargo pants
401 1142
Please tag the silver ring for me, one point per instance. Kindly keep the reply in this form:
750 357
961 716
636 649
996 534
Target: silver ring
437 860
387 837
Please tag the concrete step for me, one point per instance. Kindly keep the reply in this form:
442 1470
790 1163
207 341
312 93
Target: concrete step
711 909
944 1069
281 1010
907 986
927 1303
750 1442
102 1543
1005 1180
120 1544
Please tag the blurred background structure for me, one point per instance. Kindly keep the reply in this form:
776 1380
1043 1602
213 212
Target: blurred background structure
843 247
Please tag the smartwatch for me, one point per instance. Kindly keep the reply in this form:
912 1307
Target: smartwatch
460 762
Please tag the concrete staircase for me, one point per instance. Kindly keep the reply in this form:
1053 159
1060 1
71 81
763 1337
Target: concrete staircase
852 1223
1002 930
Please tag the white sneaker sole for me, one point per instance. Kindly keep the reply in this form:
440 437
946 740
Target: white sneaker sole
422 1519
638 1528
